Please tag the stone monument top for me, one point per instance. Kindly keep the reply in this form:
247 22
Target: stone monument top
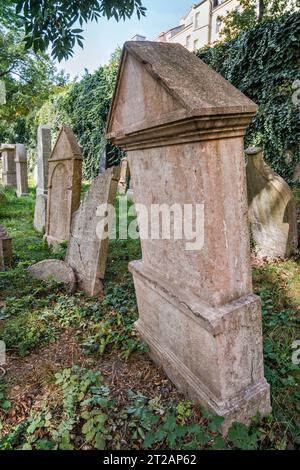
174 84
66 146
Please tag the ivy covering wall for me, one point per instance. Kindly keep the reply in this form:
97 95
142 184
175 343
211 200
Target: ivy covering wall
83 105
264 63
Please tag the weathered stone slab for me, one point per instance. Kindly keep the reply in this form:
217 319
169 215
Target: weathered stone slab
88 249
40 212
44 147
183 127
65 171
5 249
272 209
21 170
9 178
54 269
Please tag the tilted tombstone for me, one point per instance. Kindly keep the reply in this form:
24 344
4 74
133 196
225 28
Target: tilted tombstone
21 170
122 186
272 209
9 178
183 127
5 249
88 247
64 186
43 153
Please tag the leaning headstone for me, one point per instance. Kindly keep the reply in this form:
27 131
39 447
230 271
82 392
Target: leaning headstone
272 209
64 186
183 127
21 170
5 249
56 270
8 152
43 154
122 186
102 162
88 249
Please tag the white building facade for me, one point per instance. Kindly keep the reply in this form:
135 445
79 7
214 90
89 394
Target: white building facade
201 26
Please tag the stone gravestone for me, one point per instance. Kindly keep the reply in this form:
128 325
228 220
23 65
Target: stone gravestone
122 186
5 249
64 186
9 178
272 209
53 269
183 127
43 154
21 170
88 249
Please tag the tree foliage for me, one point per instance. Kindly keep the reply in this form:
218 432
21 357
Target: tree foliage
84 105
264 64
55 22
27 77
252 13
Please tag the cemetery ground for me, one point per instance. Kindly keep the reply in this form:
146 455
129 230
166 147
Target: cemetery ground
78 377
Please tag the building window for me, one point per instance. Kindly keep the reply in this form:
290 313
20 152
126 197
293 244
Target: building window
188 42
216 3
196 44
197 22
218 25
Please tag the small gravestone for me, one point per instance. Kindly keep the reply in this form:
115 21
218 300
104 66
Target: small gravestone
43 154
122 186
21 170
182 126
64 186
272 209
56 270
9 178
88 248
5 249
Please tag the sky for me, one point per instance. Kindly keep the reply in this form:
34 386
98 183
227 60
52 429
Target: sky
102 38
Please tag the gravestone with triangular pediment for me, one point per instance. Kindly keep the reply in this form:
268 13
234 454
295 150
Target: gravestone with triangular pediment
183 127
64 186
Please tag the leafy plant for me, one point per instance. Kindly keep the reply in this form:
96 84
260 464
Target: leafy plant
263 63
53 22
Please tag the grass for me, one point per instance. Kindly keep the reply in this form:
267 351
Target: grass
78 377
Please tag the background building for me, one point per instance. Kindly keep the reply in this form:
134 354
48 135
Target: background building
201 25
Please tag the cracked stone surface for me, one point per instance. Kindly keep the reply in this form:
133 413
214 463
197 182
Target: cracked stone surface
87 250
183 128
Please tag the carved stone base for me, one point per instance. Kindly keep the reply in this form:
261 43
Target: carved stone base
213 355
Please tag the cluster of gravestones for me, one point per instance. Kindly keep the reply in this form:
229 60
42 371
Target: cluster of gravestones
182 126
